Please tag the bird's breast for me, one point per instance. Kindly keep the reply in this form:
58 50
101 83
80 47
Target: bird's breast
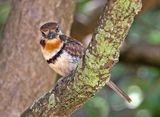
51 48
52 45
65 64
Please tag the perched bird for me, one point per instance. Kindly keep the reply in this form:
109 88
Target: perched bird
63 53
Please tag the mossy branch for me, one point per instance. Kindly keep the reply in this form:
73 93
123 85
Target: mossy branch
95 69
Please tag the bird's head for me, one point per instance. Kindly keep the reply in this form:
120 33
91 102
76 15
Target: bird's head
50 30
50 34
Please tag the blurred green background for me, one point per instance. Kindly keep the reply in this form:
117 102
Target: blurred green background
141 81
4 11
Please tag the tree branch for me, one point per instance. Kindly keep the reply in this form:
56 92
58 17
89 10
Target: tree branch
92 73
147 54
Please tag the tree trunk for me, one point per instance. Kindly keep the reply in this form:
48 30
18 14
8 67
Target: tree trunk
24 74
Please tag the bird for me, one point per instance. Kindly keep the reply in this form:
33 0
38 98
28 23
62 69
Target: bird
63 53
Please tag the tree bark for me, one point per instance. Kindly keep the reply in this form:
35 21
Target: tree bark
94 71
24 74
3 1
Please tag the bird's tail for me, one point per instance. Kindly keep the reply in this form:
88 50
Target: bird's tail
119 91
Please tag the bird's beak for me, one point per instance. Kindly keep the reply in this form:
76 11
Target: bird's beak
51 35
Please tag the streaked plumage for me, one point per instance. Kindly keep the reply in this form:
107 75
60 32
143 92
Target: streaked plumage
60 51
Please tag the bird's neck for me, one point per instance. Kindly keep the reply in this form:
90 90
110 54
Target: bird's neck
52 47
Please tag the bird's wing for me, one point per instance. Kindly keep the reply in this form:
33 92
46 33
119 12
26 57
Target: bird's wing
72 46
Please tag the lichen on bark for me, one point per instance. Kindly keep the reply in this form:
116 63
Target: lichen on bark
95 68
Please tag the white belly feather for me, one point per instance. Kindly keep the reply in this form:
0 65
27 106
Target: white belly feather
64 64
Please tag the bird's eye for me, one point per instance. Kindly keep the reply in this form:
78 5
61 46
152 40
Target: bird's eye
43 34
57 30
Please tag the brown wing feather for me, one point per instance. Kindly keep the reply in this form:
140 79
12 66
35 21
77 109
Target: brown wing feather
72 46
